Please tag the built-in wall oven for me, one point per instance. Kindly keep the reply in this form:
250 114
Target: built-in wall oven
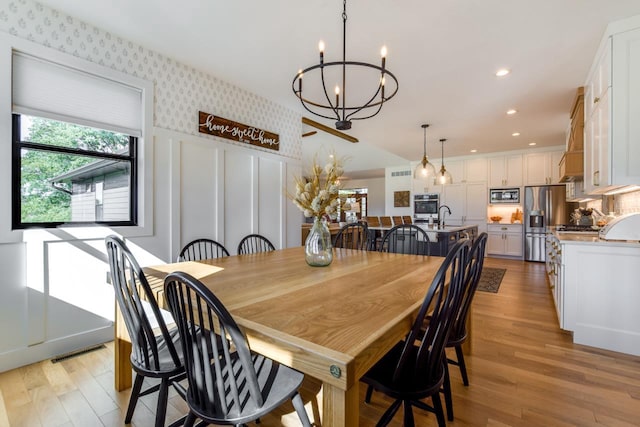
425 207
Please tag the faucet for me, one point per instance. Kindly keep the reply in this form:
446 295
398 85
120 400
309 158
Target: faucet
448 211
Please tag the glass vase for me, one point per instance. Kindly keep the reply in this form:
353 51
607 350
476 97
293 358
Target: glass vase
317 248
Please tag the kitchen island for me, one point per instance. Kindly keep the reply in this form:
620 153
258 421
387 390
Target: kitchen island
441 239
595 289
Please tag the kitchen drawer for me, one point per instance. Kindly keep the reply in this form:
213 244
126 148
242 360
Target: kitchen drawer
504 228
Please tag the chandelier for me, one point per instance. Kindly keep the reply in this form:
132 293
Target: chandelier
444 177
321 103
425 170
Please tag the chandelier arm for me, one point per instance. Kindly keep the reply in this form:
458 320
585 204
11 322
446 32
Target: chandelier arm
335 63
368 105
326 95
317 113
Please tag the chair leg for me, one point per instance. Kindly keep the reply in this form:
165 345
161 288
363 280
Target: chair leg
446 388
161 408
133 399
408 414
367 397
298 404
461 364
190 421
389 413
437 407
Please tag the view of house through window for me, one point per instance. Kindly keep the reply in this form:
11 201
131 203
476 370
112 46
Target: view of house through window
67 173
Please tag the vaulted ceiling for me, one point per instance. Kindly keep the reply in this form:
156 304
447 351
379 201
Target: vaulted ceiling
444 54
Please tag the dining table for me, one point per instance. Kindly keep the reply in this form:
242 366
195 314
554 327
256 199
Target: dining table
332 323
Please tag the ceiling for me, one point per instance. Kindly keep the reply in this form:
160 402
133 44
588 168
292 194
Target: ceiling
444 54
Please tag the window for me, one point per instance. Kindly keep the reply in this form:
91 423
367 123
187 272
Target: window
75 142
65 173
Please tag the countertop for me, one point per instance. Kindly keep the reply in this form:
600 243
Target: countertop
446 229
581 238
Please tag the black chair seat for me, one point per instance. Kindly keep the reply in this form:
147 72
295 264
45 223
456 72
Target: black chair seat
408 385
275 380
162 361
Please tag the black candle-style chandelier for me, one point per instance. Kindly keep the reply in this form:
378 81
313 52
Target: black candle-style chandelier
340 110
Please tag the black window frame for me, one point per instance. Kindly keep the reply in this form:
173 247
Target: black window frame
16 178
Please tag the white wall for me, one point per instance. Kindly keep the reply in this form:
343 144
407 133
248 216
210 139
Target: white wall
201 186
398 179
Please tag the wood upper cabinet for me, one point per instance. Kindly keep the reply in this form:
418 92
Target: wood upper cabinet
612 103
542 168
505 171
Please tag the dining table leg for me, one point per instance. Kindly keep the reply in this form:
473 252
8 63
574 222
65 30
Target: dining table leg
122 353
340 408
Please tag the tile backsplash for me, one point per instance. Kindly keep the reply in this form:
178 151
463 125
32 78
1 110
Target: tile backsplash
618 204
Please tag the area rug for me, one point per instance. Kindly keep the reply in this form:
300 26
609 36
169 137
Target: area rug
490 279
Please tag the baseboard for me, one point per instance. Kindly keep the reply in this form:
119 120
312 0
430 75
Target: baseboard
48 349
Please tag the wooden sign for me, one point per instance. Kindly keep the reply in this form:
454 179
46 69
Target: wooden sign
228 129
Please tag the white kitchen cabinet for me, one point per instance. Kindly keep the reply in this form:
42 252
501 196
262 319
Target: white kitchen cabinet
505 171
468 203
505 240
476 169
612 106
542 168
555 275
601 294
575 191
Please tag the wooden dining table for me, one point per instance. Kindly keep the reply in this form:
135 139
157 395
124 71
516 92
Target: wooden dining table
331 323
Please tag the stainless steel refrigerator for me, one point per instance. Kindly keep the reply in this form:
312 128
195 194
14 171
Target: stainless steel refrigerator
544 206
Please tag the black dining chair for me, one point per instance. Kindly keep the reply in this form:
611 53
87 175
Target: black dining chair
458 335
254 243
352 236
236 386
406 239
202 249
154 352
415 368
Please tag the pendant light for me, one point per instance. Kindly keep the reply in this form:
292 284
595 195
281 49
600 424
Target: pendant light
444 177
425 170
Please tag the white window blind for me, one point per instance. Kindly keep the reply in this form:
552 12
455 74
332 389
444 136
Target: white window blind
46 89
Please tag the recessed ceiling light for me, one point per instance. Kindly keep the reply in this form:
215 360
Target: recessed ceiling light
474 151
512 111
502 72
515 134
532 143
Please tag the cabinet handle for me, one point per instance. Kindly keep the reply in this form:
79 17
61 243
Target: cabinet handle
596 179
504 228
596 100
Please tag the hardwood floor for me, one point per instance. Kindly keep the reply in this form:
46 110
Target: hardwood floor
523 371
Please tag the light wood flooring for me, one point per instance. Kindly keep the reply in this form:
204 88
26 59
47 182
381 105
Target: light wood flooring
524 371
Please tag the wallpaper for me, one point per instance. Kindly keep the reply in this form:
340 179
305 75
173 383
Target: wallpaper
180 90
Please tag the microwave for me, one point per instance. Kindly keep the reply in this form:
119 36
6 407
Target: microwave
504 195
